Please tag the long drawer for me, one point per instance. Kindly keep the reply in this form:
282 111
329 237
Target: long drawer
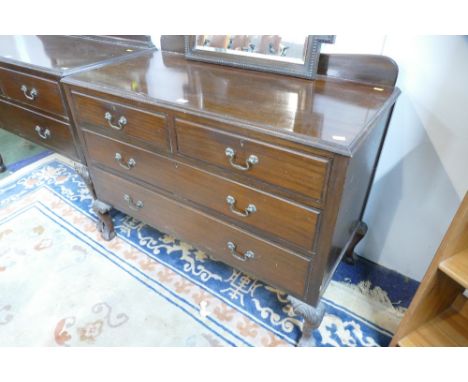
31 90
298 172
233 246
268 213
121 121
38 128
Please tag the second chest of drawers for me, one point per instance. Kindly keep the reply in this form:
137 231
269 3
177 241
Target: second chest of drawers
31 106
32 103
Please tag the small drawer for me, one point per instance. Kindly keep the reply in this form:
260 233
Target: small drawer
276 217
233 246
38 128
300 173
121 121
31 90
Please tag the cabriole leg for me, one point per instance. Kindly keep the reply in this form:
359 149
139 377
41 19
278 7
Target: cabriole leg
105 224
359 234
313 317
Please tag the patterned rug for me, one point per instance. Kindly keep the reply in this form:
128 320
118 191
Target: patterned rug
62 285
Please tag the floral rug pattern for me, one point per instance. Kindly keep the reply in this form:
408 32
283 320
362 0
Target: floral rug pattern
62 285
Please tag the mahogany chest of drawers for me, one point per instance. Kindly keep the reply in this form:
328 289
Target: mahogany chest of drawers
267 173
31 96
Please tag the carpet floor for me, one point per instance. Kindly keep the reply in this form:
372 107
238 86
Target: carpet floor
16 150
62 285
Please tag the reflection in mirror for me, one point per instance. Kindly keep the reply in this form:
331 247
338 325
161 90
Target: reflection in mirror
293 55
291 48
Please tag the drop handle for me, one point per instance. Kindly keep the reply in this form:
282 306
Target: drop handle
131 204
231 201
127 166
248 255
122 121
231 155
29 94
43 132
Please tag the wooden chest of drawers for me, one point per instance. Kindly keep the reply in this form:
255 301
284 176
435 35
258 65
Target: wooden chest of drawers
31 97
267 173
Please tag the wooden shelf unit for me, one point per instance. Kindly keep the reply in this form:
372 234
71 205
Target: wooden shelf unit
438 314
456 267
450 328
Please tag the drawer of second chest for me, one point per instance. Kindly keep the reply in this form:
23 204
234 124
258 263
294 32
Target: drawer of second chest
274 216
38 128
31 90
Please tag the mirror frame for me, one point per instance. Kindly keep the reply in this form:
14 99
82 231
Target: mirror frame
306 70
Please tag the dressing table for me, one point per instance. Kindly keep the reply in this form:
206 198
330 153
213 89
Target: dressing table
267 173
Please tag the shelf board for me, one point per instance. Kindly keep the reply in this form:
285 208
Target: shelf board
456 267
450 328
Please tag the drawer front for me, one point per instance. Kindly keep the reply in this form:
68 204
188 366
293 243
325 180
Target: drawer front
38 128
31 90
121 121
266 261
272 215
289 170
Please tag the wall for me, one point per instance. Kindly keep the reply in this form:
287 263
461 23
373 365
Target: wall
423 172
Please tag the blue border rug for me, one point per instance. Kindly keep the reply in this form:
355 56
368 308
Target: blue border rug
364 303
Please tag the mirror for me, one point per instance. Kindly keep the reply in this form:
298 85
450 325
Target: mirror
295 55
288 48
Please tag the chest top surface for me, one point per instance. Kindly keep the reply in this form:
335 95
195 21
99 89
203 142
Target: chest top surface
326 113
58 55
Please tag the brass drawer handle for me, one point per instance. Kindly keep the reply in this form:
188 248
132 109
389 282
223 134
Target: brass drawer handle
231 154
128 166
44 133
29 94
242 257
231 200
131 204
120 123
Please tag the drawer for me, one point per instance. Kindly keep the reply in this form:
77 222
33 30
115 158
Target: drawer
121 121
31 90
266 261
274 216
289 170
36 127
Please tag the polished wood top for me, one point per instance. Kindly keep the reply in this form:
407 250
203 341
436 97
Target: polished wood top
59 55
325 113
